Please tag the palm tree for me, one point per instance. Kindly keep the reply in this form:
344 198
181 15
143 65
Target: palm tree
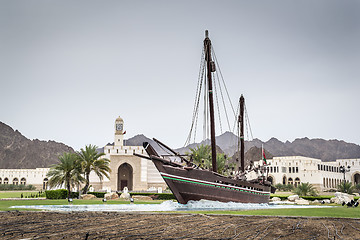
67 172
91 160
305 189
201 155
346 187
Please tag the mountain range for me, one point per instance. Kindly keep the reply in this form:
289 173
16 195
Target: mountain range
16 151
326 150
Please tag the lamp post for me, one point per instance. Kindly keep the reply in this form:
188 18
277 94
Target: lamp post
343 170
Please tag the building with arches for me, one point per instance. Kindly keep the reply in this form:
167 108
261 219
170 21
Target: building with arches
34 177
127 170
322 175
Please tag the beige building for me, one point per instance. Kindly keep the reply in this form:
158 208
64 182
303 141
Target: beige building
323 175
127 170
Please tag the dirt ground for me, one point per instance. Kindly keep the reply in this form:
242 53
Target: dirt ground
110 225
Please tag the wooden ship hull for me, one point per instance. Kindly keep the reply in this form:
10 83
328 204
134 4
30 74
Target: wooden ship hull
188 183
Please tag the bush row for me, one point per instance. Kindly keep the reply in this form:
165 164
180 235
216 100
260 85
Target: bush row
310 198
158 196
5 187
60 194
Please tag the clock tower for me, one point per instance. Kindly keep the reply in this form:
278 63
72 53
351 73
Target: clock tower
119 132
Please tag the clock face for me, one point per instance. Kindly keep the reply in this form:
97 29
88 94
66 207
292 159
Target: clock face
119 127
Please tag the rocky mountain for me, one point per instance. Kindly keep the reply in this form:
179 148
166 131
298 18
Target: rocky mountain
16 151
253 154
326 150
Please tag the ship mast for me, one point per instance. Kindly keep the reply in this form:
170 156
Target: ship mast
210 65
241 123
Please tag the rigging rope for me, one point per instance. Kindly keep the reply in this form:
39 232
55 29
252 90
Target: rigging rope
217 103
248 122
197 97
222 78
237 114
222 97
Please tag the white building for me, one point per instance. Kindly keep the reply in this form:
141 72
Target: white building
36 177
127 170
322 175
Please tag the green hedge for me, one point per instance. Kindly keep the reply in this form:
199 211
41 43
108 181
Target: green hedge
98 194
157 196
311 198
282 197
60 194
5 187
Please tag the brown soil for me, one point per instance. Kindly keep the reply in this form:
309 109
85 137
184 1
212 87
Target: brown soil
103 225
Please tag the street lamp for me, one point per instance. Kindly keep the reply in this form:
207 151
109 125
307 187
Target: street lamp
343 170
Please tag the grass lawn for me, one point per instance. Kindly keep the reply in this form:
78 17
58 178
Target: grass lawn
5 204
16 194
337 212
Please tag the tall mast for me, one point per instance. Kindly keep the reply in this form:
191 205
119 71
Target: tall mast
210 68
241 122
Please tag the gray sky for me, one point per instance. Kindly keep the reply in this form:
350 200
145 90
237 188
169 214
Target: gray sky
69 68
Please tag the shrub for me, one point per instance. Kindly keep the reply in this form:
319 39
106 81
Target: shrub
284 187
305 189
60 194
98 194
279 187
346 188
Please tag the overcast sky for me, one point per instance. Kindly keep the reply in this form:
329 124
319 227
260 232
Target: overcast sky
69 68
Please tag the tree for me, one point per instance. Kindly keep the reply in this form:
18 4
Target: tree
201 156
346 187
305 189
67 172
91 160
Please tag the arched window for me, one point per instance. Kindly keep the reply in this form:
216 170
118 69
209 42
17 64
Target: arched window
16 181
297 182
23 181
284 180
290 181
6 180
45 183
0 181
